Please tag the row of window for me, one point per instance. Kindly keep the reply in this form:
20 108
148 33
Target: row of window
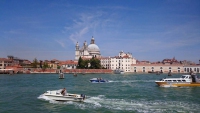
160 71
112 61
190 69
121 68
5 64
175 80
160 68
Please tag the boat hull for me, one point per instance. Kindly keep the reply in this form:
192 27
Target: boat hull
56 95
97 80
181 84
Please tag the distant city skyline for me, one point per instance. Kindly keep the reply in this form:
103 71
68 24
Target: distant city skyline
150 30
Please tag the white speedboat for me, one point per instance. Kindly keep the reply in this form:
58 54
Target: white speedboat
119 71
56 95
183 81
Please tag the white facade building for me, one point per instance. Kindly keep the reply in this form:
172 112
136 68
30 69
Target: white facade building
5 62
87 51
189 68
122 61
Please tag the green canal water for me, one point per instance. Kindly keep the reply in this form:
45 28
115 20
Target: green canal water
129 93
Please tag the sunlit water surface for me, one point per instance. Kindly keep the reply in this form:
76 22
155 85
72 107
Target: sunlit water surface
135 93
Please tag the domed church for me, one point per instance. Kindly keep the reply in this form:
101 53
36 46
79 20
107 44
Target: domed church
87 51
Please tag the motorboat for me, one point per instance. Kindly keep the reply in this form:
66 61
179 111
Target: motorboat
56 95
119 71
183 81
61 75
98 80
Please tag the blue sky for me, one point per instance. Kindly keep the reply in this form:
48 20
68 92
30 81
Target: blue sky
149 29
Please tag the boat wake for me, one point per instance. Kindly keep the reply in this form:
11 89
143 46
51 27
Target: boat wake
100 101
130 81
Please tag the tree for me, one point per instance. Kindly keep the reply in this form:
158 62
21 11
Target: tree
45 65
95 63
58 67
35 63
80 63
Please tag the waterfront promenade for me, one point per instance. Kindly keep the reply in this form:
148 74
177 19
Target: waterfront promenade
38 70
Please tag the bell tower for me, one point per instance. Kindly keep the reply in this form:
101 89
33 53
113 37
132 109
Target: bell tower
77 52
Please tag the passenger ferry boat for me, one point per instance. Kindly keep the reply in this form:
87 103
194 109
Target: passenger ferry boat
184 81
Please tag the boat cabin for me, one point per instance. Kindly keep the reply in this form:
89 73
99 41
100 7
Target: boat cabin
184 78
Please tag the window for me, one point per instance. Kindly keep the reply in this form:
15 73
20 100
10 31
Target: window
170 68
161 68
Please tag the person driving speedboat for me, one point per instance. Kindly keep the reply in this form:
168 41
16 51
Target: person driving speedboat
64 91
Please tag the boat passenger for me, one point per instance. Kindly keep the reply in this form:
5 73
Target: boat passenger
64 91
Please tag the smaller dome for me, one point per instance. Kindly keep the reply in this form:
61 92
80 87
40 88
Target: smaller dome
93 48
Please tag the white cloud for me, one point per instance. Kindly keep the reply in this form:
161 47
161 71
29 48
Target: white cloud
82 25
61 43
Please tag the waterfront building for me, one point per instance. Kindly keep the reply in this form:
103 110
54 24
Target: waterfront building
4 62
189 68
123 61
87 51
160 67
53 64
69 64
165 66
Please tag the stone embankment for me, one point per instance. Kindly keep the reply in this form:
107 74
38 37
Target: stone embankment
83 71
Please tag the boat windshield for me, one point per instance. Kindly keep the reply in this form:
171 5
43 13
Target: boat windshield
183 76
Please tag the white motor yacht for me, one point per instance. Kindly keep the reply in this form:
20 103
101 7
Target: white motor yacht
56 95
183 81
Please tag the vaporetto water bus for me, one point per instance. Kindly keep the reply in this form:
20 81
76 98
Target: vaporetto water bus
183 81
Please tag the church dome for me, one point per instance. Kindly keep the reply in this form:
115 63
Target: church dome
93 48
